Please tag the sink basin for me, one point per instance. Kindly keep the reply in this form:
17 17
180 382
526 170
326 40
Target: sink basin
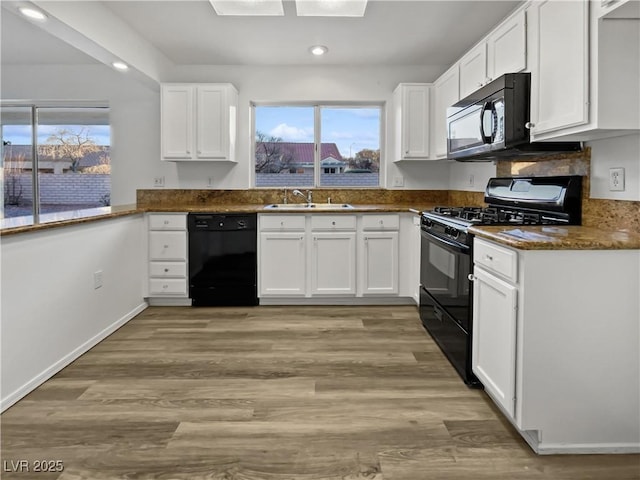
306 206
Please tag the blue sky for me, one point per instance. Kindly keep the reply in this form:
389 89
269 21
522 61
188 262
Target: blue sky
351 129
21 134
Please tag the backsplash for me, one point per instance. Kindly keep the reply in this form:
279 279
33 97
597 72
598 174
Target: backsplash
616 214
168 197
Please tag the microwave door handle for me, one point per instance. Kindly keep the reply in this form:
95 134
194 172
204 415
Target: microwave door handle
487 106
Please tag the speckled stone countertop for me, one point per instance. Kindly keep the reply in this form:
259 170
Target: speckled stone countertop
244 208
559 237
11 226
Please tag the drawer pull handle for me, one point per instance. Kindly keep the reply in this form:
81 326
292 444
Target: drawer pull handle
488 257
166 246
166 270
333 223
166 222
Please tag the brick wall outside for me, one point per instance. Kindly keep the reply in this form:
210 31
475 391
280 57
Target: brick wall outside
326 180
67 188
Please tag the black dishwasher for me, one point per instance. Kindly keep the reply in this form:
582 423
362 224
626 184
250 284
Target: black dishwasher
222 259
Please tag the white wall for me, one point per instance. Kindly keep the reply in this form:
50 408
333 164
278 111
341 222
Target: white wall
134 114
612 153
51 312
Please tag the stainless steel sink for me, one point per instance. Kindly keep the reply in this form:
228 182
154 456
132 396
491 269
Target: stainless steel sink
309 206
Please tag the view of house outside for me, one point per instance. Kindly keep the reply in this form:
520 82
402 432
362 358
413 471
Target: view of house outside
73 159
348 140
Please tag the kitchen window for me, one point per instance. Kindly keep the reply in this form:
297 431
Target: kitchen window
54 159
317 145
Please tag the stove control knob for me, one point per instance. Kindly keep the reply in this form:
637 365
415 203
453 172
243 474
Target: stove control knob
455 233
447 230
428 223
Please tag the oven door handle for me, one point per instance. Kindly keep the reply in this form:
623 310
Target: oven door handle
452 246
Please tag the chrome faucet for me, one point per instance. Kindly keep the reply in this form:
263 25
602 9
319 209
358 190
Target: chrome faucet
309 196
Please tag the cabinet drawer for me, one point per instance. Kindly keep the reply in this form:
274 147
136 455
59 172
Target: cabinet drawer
495 258
282 222
380 222
167 221
168 269
167 286
333 222
168 246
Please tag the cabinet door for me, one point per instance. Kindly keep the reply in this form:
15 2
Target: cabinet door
333 263
494 337
282 264
414 122
211 122
177 121
473 70
380 263
506 47
447 92
559 80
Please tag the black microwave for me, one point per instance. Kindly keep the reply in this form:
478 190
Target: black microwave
492 123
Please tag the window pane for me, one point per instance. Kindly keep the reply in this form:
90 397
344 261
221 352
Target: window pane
350 152
74 163
284 146
17 162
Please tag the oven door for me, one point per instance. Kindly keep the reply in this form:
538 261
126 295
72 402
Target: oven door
444 275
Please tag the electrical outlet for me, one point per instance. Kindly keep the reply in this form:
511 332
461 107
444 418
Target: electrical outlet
158 182
471 181
398 181
616 179
97 279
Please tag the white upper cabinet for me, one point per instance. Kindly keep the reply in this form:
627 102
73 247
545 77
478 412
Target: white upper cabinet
473 70
411 109
199 122
446 91
559 85
506 47
585 59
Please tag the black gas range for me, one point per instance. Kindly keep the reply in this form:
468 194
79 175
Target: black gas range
446 293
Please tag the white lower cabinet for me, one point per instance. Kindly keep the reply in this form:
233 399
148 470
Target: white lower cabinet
328 255
167 247
555 344
333 263
379 263
494 339
282 259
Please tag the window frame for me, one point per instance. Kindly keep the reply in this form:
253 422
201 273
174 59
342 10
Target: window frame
317 136
34 105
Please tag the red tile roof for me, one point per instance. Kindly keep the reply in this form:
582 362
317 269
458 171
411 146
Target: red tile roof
303 152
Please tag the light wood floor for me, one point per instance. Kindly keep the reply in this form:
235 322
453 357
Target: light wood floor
273 393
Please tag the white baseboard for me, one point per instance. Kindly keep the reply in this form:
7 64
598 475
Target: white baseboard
337 301
587 448
45 375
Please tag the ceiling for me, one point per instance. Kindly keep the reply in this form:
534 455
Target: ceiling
188 32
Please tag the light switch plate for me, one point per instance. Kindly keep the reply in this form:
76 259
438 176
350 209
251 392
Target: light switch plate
158 182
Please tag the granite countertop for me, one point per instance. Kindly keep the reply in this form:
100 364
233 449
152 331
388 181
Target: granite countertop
10 226
552 237
252 208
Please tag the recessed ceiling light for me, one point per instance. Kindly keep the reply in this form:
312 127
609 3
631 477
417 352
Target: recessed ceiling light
32 13
120 66
248 7
318 50
331 8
